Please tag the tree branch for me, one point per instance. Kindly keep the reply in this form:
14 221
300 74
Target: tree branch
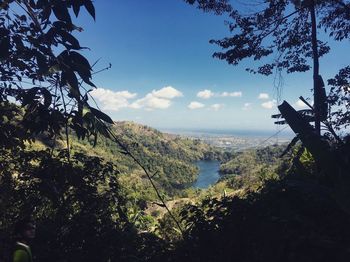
149 176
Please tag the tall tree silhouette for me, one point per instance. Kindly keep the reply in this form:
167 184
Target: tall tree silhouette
285 30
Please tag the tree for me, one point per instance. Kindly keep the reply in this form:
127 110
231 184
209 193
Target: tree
286 30
44 81
79 207
42 68
218 6
339 97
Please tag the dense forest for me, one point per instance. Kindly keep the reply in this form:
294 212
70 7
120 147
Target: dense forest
99 190
167 156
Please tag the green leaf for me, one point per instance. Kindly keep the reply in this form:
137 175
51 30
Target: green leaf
54 69
78 59
76 7
102 129
42 63
90 8
29 96
46 13
61 12
47 97
41 4
4 47
86 110
81 65
18 41
67 37
101 115
290 145
60 25
73 83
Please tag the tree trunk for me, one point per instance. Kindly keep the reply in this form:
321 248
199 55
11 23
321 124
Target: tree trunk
316 68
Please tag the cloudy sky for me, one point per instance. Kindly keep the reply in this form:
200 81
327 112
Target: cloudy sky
163 73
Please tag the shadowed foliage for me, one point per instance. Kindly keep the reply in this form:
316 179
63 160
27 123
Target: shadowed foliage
290 220
78 207
298 211
43 68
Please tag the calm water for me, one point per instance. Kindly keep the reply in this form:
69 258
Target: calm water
208 173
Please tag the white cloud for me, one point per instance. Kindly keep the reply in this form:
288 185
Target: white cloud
111 100
247 106
167 92
301 105
195 105
269 104
263 96
205 94
151 102
157 99
232 94
216 107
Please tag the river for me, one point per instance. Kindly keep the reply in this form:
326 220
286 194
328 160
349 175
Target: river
208 173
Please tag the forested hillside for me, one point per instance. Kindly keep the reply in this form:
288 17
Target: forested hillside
169 158
248 168
77 186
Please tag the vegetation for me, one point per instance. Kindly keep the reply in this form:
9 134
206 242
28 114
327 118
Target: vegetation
250 160
169 157
289 220
77 205
43 70
287 30
90 203
248 168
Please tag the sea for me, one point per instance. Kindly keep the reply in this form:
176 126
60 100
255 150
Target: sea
236 139
280 132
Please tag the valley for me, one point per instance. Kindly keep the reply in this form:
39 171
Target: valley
185 168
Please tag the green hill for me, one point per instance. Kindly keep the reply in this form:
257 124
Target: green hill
170 158
247 169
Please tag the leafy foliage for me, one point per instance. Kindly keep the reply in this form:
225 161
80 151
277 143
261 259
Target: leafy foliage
81 206
286 31
42 67
77 205
339 98
288 220
282 29
218 6
248 169
12 132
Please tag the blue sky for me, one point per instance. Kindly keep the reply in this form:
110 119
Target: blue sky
163 74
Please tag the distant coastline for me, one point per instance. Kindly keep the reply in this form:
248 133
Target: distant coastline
235 139
285 134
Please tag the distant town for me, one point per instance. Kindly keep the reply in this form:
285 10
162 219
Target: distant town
239 143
